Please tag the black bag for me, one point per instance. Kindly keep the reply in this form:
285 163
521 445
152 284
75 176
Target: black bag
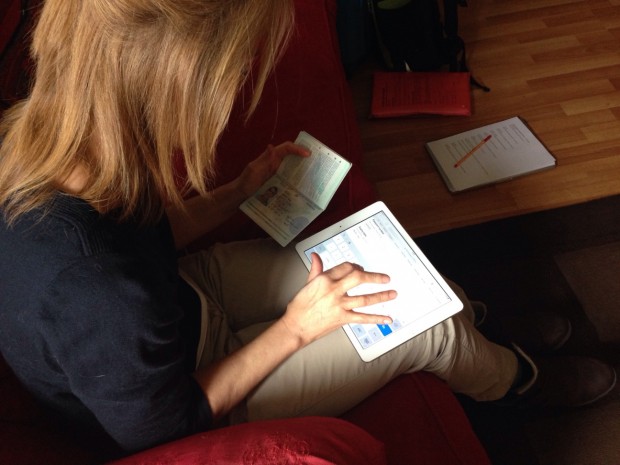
414 35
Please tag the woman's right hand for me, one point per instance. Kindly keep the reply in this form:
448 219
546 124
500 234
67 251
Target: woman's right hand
319 308
323 304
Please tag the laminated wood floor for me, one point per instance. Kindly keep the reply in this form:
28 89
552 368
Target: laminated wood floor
555 63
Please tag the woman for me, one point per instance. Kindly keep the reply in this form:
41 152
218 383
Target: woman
98 318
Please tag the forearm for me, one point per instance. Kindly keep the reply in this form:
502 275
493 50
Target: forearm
203 214
229 381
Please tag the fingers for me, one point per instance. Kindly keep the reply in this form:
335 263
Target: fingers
346 276
316 267
288 148
368 319
352 274
324 303
366 300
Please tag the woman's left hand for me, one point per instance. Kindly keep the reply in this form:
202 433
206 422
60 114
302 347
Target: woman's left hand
262 168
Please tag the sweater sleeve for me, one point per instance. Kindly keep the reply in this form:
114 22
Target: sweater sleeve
113 329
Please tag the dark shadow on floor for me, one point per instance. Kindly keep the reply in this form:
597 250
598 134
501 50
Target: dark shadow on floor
509 264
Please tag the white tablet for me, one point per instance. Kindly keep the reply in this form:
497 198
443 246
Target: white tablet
374 239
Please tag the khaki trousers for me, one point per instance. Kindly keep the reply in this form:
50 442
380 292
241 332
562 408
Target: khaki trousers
246 285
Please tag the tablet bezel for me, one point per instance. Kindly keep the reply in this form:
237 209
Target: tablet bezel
414 328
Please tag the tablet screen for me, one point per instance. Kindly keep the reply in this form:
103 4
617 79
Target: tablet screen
376 244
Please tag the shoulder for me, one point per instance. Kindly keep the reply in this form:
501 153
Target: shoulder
69 228
68 264
66 225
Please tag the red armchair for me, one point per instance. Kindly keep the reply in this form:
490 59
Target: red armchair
414 419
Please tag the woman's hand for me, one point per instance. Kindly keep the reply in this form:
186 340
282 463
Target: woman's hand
320 307
262 168
324 305
203 214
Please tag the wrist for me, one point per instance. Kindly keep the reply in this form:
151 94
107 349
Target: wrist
237 192
293 333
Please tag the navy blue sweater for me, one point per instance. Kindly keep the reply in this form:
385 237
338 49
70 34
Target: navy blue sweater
90 321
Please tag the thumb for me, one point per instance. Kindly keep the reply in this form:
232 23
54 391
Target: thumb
316 268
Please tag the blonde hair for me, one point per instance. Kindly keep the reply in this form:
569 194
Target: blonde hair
121 85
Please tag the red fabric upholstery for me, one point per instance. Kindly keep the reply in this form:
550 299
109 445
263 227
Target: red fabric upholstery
28 438
307 92
414 419
26 435
309 440
420 421
15 66
415 416
11 10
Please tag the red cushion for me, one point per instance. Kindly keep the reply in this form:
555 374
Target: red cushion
417 416
309 441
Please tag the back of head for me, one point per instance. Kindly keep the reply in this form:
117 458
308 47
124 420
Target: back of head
121 85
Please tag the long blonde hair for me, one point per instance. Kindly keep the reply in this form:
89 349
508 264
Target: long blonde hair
137 80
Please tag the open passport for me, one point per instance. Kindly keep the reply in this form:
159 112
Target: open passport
299 191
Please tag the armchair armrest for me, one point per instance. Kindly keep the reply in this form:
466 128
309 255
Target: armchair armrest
307 440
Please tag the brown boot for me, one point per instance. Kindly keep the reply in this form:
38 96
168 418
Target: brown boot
562 381
540 332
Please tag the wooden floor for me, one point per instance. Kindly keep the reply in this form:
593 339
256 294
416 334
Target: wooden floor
555 63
